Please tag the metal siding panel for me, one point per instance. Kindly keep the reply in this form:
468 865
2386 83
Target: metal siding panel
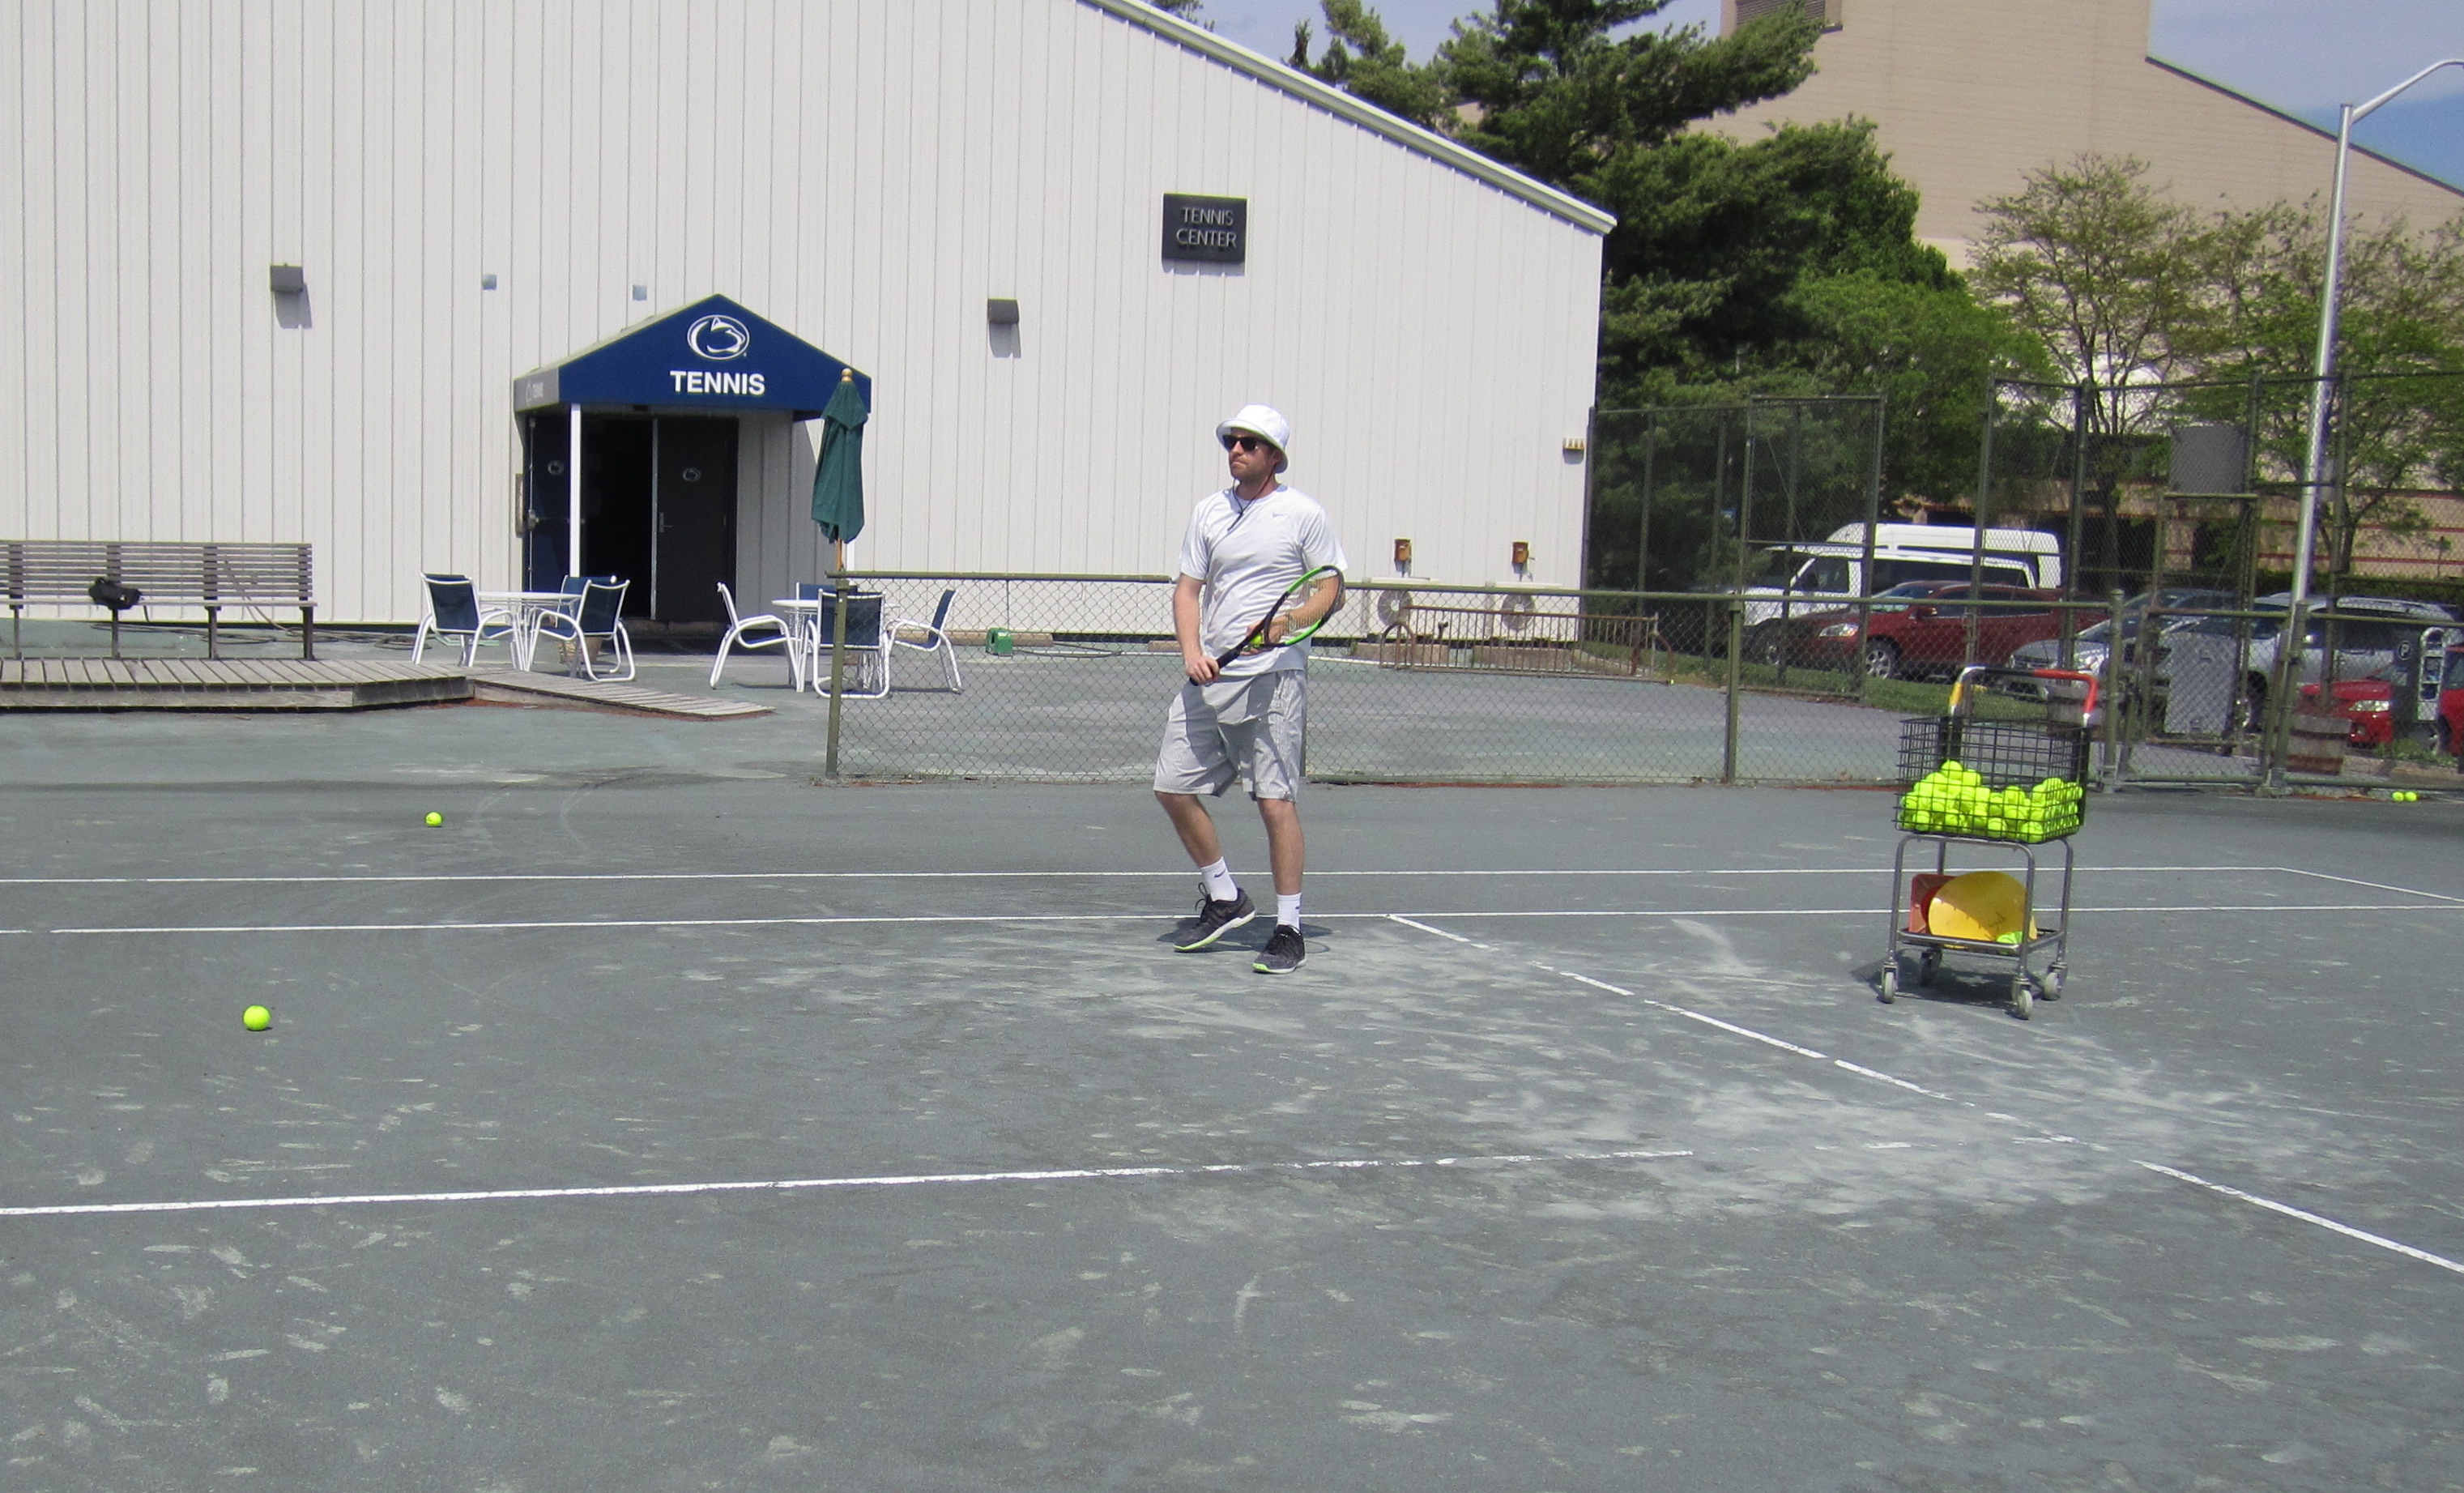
25 61
66 209
868 177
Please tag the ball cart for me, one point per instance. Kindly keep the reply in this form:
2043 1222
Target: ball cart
2013 787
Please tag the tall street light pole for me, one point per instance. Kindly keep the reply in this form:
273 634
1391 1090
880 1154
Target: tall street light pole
2314 466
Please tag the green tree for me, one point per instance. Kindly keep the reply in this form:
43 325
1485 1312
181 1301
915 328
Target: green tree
2117 282
1551 91
1360 59
1186 10
2399 407
2128 290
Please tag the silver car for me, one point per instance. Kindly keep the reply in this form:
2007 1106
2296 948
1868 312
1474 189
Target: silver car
2091 645
2371 634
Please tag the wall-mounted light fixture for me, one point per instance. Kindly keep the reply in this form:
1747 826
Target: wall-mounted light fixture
287 280
1402 557
640 293
487 282
1574 445
1521 556
1002 312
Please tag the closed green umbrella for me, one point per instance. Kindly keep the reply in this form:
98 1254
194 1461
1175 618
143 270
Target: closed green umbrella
838 478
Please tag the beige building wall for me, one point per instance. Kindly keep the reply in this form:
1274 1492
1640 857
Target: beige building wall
477 188
1969 95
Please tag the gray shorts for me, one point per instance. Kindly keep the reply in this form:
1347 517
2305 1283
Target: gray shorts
1236 729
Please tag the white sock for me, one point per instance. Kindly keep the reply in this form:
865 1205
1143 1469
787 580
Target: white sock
1220 885
1288 910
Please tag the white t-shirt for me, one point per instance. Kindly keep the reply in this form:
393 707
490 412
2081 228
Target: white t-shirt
1246 554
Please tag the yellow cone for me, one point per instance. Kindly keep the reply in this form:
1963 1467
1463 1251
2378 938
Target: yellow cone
1981 905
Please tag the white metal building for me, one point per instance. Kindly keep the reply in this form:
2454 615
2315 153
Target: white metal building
475 189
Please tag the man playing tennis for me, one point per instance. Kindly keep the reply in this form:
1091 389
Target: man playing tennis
1241 713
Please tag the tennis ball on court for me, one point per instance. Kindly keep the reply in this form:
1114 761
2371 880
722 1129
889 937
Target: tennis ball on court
257 1018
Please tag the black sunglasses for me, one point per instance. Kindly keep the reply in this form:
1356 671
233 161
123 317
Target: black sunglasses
1249 443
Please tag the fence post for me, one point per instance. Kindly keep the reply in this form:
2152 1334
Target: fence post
2072 583
2115 715
1736 664
838 676
1865 587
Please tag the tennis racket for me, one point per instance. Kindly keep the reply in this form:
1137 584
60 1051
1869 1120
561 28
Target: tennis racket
1293 596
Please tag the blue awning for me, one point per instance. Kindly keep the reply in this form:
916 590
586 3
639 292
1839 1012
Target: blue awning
713 356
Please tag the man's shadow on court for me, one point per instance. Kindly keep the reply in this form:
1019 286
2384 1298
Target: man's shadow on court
1248 939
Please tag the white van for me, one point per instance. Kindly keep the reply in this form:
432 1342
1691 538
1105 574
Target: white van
1801 578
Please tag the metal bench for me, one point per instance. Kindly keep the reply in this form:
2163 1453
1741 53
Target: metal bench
103 572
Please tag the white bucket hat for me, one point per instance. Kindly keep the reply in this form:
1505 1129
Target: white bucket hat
1260 420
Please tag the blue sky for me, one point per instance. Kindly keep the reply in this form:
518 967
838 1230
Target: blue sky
2303 56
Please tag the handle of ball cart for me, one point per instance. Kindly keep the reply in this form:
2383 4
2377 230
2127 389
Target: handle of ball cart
2070 702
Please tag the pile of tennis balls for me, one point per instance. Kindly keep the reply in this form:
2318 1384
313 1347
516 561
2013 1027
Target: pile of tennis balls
1953 800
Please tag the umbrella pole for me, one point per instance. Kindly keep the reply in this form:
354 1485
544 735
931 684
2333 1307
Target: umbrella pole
838 658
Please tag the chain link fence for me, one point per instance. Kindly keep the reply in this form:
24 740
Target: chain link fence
1744 621
2180 505
1068 678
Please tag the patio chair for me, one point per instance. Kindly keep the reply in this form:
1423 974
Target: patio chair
936 640
596 618
569 597
736 629
867 653
454 611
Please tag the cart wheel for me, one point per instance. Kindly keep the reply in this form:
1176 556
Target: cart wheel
1929 963
2022 1004
2050 986
1890 982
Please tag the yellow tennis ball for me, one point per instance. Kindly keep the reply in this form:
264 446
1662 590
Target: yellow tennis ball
257 1018
435 819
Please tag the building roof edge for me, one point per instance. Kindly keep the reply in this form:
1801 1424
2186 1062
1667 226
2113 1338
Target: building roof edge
1334 100
2238 97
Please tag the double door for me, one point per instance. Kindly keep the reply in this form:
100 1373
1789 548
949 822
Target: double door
658 507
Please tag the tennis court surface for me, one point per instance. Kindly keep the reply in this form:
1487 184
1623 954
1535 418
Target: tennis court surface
664 1121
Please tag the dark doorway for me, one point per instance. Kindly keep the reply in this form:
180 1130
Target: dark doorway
694 507
616 486
658 507
544 503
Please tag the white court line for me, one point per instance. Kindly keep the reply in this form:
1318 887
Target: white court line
2375 886
1439 931
806 1184
865 919
487 877
1783 1044
2289 1211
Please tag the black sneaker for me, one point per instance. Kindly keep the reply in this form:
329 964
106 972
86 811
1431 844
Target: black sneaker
1286 952
1214 920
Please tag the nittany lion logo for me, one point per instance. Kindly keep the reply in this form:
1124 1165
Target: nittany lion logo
718 339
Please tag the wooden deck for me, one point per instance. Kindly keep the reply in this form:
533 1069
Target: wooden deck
522 687
197 684
277 684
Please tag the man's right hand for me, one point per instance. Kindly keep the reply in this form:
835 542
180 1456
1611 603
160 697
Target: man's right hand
1200 668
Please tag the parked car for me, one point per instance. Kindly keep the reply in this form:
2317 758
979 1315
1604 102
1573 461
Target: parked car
2374 636
2449 715
2090 645
1916 628
2368 704
1822 576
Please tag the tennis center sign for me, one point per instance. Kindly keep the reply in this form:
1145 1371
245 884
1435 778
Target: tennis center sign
1210 229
